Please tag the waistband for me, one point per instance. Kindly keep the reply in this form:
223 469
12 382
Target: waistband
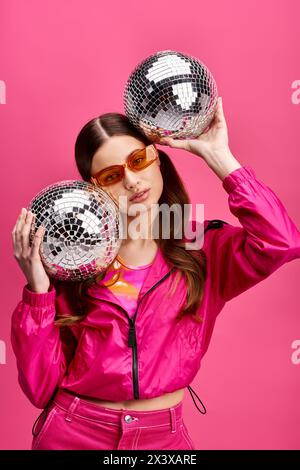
73 405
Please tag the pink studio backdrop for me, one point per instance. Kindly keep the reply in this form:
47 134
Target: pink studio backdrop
65 62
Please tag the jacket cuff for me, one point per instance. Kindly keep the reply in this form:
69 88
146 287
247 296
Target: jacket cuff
39 299
236 177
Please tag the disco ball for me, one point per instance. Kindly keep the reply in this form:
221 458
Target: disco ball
170 94
83 227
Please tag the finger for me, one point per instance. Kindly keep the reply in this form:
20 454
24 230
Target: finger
219 111
13 233
16 225
21 219
219 116
18 228
174 143
37 240
30 217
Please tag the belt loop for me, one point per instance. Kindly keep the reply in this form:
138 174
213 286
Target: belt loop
72 408
173 419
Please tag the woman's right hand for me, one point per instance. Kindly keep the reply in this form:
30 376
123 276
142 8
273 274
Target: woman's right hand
27 256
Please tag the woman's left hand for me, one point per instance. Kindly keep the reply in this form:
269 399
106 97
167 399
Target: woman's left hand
211 145
213 141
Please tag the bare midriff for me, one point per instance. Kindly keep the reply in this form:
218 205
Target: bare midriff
157 403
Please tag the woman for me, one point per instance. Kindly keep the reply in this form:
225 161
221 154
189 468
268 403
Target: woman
108 360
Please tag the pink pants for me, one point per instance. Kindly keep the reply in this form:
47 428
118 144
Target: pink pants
70 423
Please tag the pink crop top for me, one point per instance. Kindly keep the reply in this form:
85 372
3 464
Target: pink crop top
125 282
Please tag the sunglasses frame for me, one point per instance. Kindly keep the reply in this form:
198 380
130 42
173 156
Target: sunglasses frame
94 179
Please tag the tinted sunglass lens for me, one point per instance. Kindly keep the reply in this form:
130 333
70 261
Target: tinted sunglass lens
142 158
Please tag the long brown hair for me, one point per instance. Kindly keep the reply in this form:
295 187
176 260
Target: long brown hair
190 263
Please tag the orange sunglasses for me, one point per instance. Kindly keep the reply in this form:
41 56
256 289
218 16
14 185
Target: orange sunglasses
136 161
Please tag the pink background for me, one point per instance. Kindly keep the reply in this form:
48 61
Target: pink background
65 62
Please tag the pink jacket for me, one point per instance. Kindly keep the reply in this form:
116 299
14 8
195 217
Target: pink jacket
113 357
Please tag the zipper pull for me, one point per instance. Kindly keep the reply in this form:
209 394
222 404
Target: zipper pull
131 336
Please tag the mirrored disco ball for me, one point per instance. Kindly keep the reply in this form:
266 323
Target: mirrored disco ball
170 94
83 227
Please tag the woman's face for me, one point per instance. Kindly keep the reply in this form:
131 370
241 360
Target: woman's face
115 151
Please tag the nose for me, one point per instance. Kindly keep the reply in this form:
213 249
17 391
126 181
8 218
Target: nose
131 178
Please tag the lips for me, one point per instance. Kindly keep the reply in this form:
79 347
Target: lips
138 194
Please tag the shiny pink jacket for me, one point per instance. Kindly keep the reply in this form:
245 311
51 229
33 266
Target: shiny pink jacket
113 357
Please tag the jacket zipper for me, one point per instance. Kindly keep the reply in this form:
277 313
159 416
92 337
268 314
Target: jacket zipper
132 343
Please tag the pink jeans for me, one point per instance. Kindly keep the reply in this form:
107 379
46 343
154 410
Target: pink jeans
70 423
